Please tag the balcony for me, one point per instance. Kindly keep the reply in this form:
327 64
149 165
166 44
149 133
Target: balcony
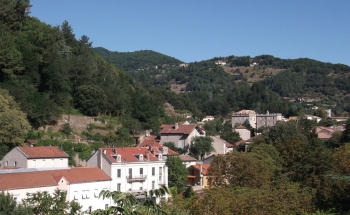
133 178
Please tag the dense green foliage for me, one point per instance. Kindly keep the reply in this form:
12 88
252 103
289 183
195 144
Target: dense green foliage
136 60
177 172
39 203
217 92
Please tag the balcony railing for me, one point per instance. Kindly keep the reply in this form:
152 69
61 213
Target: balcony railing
136 178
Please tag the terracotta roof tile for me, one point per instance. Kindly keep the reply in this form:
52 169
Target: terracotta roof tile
42 152
151 141
9 181
129 154
241 127
205 168
187 158
182 129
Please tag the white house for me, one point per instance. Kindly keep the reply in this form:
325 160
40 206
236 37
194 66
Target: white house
35 157
82 185
180 134
207 118
244 133
132 169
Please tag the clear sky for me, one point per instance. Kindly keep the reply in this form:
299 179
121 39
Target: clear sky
195 30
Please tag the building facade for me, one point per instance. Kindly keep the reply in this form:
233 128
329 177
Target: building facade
132 169
254 119
35 157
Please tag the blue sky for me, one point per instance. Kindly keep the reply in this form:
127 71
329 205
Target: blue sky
195 30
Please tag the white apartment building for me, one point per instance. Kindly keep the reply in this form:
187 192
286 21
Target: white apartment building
132 169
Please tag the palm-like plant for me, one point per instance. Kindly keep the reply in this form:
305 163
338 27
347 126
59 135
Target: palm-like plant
127 203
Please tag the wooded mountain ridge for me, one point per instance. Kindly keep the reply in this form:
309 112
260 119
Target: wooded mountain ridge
284 80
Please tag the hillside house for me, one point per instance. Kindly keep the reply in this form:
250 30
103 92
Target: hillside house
132 169
152 143
35 157
180 134
220 145
188 160
197 175
207 118
243 132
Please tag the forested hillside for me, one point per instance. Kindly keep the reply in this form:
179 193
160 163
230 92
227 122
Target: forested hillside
261 83
137 59
45 71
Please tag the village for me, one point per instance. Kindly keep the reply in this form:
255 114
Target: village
30 168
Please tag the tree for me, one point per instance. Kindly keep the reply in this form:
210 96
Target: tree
177 172
42 203
127 203
8 206
201 146
14 125
239 169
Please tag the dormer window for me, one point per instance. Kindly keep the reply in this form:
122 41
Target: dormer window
119 158
160 157
141 158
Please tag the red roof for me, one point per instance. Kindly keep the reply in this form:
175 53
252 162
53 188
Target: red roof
187 158
21 180
247 141
151 141
241 127
182 129
130 154
42 152
205 168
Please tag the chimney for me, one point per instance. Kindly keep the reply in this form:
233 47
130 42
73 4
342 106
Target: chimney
176 125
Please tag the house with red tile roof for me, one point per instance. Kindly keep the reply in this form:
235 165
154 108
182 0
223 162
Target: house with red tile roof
198 175
82 185
35 157
188 160
180 134
246 143
152 143
132 169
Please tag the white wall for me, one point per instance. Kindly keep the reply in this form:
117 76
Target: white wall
92 199
47 162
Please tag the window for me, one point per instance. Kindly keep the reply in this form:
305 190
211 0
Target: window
153 171
118 187
96 193
15 164
141 157
140 188
15 197
160 157
34 163
160 173
106 206
130 173
87 194
153 184
43 163
83 194
119 173
75 195
90 209
141 172
61 162
119 158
